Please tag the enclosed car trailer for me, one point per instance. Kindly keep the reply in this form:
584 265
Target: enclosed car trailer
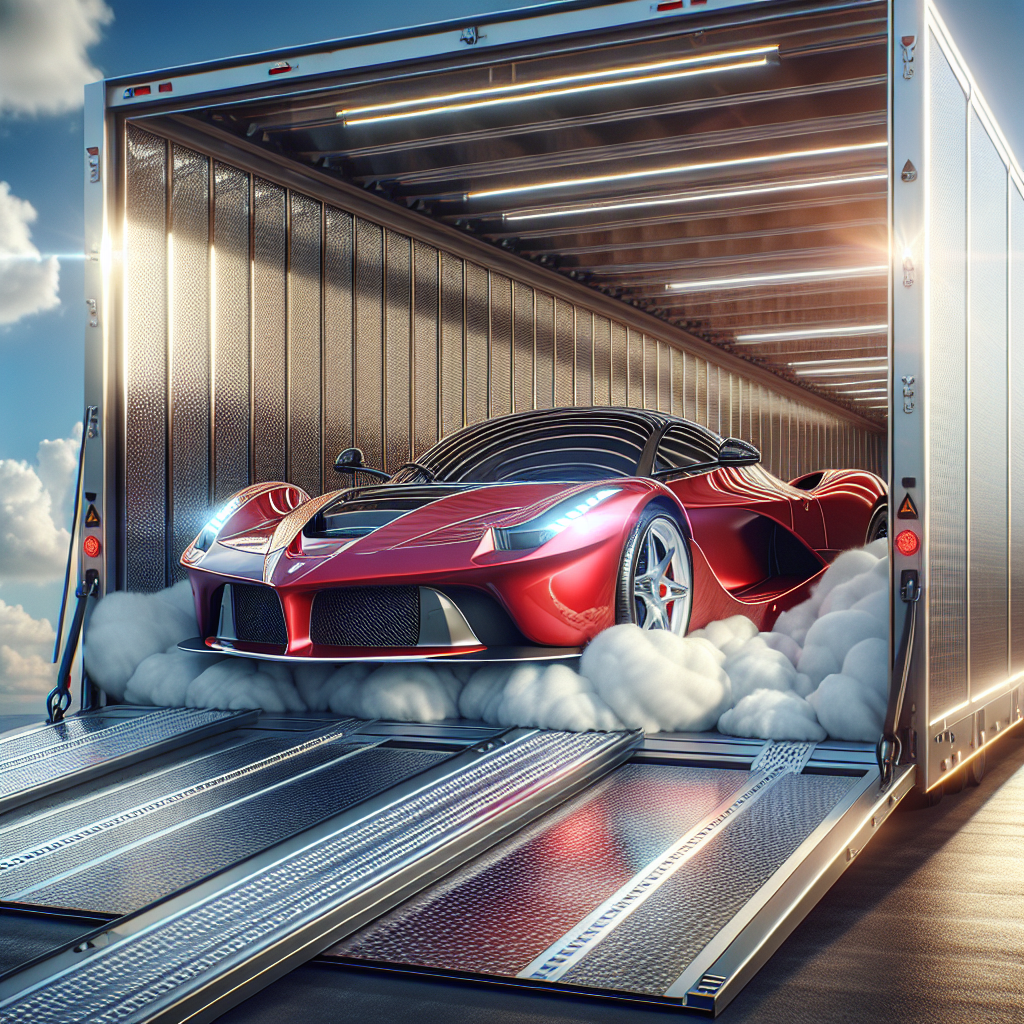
797 224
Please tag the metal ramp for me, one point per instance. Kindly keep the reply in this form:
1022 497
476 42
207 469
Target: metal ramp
666 883
195 954
118 851
50 758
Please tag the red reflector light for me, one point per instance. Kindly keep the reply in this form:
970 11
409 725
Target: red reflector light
907 542
166 87
280 68
91 546
670 5
142 90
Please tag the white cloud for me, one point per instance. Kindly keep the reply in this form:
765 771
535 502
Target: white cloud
34 505
747 682
26 645
28 283
43 59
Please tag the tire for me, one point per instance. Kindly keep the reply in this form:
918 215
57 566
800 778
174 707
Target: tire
642 598
878 525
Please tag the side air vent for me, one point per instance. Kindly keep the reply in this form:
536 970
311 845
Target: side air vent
366 617
258 615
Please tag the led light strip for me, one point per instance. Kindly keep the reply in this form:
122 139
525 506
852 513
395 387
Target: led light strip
863 391
849 331
753 280
845 371
568 91
445 99
710 165
845 360
695 197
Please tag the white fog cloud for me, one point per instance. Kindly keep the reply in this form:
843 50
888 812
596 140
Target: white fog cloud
34 507
43 58
833 680
28 283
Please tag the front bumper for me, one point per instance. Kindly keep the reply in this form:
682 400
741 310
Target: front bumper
377 623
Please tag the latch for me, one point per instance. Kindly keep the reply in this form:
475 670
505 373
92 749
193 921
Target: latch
908 393
908 44
908 271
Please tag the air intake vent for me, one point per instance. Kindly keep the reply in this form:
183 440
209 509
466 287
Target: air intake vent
258 615
366 617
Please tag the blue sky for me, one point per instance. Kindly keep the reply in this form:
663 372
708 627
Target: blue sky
40 159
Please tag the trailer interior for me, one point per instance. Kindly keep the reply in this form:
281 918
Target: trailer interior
728 177
687 206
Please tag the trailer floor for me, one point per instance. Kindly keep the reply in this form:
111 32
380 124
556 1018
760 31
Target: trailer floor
927 925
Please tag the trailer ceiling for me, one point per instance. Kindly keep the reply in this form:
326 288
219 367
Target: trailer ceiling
727 173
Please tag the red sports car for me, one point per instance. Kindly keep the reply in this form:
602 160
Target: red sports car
522 537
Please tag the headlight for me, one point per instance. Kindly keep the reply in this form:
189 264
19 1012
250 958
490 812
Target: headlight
209 532
542 528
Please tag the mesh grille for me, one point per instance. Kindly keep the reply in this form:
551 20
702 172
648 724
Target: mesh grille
258 615
366 617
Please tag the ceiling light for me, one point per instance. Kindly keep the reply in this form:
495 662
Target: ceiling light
863 391
752 280
514 87
849 331
845 371
568 90
797 154
830 362
696 197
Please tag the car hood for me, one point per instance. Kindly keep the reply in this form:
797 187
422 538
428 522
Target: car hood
397 515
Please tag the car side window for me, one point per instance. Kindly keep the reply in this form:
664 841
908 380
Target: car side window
683 446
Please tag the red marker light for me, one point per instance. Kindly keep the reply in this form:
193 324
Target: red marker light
91 546
907 542
166 87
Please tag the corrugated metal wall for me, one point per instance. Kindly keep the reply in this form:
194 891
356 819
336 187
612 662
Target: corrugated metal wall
975 342
265 331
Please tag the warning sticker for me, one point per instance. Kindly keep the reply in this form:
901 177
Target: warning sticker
92 517
907 509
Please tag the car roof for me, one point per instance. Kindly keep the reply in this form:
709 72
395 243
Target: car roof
649 417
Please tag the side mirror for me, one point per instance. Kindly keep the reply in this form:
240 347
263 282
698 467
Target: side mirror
734 452
351 461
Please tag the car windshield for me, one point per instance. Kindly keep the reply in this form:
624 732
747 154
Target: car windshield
547 447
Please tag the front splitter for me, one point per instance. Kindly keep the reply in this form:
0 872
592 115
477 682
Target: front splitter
272 652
